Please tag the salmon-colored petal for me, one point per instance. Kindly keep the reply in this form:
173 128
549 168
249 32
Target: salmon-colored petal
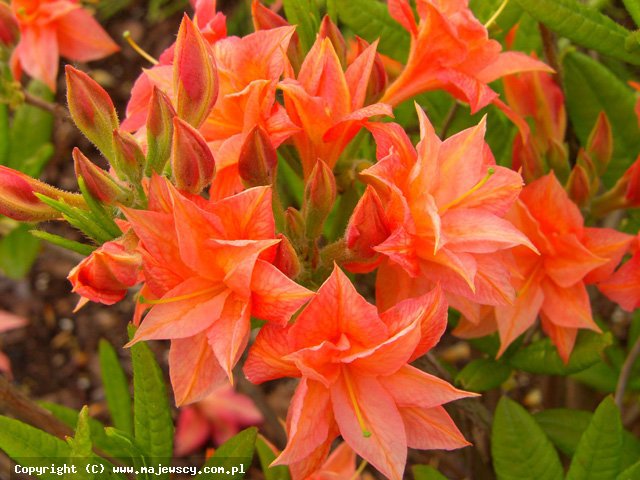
82 39
571 261
267 359
341 463
568 307
393 284
411 387
274 296
384 443
188 309
358 73
624 286
193 369
509 63
9 321
38 54
605 243
514 320
564 338
247 215
431 428
309 421
192 432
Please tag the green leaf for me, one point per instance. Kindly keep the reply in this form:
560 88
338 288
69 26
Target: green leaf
519 447
153 425
564 427
116 388
370 20
100 439
598 454
236 453
542 356
81 447
590 89
128 444
631 473
633 7
483 374
72 245
266 456
426 472
583 25
4 134
303 14
18 250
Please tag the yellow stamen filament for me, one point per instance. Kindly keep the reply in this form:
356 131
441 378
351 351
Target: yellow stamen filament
179 298
475 188
360 469
138 48
352 396
497 13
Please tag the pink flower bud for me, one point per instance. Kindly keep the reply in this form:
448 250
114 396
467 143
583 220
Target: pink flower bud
195 79
159 131
92 110
329 30
579 186
17 199
319 198
191 159
287 260
100 184
258 159
379 78
266 19
600 144
9 29
294 225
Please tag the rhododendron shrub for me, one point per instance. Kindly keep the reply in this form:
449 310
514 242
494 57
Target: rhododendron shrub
391 236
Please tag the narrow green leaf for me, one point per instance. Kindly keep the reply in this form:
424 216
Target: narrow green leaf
34 164
116 388
4 134
99 212
72 245
542 356
128 444
633 7
234 456
153 425
590 89
18 250
519 447
598 454
303 14
266 456
583 25
81 448
81 219
370 20
483 374
426 472
631 473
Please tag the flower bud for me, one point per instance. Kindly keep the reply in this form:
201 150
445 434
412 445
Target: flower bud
100 184
159 132
632 179
266 19
600 144
579 186
92 110
287 260
128 161
107 274
319 198
258 159
558 160
195 79
191 159
9 29
378 79
18 200
294 225
329 30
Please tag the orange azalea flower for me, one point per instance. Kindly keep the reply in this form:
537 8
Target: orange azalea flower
340 464
219 417
553 283
623 287
356 380
451 50
53 28
443 208
207 269
327 103
9 321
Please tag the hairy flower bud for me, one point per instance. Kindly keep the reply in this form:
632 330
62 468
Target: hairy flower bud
286 259
600 144
258 159
159 132
195 79
319 198
9 29
92 110
378 79
329 30
18 199
128 159
192 162
100 184
579 186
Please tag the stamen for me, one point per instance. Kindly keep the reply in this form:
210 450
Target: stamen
352 396
360 469
497 13
179 298
138 48
475 188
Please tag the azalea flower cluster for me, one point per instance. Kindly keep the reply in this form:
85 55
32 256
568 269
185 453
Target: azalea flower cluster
191 215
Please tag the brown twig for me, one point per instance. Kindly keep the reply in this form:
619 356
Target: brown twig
449 120
549 47
625 373
51 107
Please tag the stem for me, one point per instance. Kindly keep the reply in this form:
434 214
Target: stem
53 108
449 120
625 373
497 13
